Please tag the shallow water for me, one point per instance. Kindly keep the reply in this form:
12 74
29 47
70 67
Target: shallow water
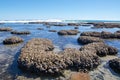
9 54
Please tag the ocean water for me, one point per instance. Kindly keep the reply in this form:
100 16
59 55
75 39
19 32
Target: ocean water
9 53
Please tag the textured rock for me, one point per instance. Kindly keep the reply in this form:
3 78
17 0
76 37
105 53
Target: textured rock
20 32
93 34
38 56
80 60
100 49
103 34
5 29
40 28
13 40
115 64
88 39
106 25
68 32
52 31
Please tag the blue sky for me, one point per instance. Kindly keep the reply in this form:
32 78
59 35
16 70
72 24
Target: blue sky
60 9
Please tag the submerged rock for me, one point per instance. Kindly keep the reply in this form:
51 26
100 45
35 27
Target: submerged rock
13 40
100 48
68 32
40 28
20 32
80 76
5 29
115 64
52 31
88 39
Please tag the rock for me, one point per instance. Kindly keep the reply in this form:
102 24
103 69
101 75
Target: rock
5 29
88 39
93 34
68 32
80 76
52 31
80 60
118 31
115 64
103 34
107 35
40 28
100 49
13 40
76 27
106 25
74 24
20 32
37 56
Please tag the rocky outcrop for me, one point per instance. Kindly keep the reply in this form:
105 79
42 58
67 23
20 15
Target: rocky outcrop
40 28
80 60
73 24
103 34
88 39
93 34
115 64
13 40
20 32
76 27
68 32
106 25
38 56
100 49
52 30
5 29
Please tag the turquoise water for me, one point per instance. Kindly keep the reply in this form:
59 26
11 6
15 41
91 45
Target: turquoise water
9 54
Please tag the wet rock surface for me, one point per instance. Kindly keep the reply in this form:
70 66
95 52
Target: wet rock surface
103 34
106 25
38 56
88 39
80 60
40 28
52 30
13 40
20 32
100 48
115 64
68 32
5 29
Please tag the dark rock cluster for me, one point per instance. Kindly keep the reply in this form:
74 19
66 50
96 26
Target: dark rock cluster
103 34
115 64
20 32
13 40
105 25
5 29
38 56
68 32
40 28
88 39
100 48
52 30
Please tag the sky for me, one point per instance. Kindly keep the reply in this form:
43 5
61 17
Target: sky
60 9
